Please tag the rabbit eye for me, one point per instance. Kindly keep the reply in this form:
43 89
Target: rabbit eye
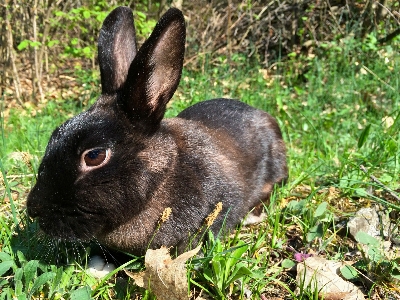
95 157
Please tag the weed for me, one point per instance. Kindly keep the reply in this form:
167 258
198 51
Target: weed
223 272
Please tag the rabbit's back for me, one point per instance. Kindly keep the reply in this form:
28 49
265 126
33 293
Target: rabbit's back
253 135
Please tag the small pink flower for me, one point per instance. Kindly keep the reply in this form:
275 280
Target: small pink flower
299 257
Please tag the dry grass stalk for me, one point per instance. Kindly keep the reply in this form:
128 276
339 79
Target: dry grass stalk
211 217
165 215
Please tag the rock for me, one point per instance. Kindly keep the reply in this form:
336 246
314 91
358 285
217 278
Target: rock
369 221
321 274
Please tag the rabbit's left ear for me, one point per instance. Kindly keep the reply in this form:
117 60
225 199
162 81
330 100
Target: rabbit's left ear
117 48
156 70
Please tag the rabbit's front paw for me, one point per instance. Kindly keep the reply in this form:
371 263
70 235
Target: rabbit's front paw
251 219
98 267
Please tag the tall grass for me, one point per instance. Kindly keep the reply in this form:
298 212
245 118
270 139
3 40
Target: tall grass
338 110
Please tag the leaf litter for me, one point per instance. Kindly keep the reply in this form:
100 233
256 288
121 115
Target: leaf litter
165 277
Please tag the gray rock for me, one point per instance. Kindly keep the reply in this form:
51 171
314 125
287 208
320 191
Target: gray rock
370 221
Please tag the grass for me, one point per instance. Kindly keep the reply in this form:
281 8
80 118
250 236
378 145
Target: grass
338 110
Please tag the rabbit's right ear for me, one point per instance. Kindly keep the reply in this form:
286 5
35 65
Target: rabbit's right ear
156 70
117 48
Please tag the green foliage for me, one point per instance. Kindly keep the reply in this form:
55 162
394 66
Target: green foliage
143 25
314 221
88 20
363 136
85 19
288 264
33 278
27 43
374 262
222 268
349 272
81 27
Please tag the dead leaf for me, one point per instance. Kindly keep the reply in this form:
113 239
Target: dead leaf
138 277
165 277
322 275
336 296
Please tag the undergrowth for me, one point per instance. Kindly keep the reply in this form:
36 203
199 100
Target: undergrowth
338 108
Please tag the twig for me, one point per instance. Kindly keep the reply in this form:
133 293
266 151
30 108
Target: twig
376 180
229 31
16 81
12 177
377 77
46 30
37 76
389 12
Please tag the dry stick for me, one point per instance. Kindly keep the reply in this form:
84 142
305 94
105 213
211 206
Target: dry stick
43 47
229 31
3 55
189 60
268 39
12 177
16 81
334 18
377 77
395 17
376 180
177 4
237 21
37 77
66 5
160 8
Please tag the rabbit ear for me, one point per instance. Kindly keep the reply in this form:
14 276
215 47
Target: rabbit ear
156 70
117 48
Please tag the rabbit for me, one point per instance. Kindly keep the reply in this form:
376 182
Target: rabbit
110 172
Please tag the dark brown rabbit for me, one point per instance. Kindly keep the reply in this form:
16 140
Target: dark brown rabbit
110 172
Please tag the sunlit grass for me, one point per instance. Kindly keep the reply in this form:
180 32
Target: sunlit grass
335 115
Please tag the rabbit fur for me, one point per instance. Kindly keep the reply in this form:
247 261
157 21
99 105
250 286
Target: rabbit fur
109 173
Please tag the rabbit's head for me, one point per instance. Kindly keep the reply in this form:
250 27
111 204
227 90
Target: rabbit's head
91 169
